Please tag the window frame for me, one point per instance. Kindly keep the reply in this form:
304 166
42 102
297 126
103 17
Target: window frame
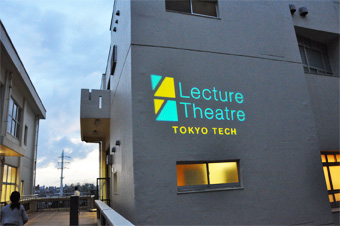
323 52
192 11
210 187
15 132
328 164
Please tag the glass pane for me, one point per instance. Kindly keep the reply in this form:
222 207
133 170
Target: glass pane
223 172
3 193
327 63
9 174
204 7
4 175
176 5
10 107
323 158
325 171
338 158
8 192
10 189
331 158
14 115
331 199
18 118
337 197
314 58
13 131
17 129
192 174
9 123
335 176
303 56
14 175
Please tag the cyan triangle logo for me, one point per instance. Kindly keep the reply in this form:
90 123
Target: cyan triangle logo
164 93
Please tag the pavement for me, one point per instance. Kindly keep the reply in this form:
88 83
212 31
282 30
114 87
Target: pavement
86 218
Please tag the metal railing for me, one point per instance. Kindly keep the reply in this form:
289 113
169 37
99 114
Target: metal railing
32 203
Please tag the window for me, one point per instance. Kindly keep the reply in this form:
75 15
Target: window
200 7
331 169
8 182
14 115
25 135
197 176
114 59
314 56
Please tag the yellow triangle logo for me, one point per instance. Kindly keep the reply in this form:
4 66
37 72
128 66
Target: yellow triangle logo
167 88
158 104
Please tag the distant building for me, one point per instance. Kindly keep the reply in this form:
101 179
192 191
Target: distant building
20 112
219 112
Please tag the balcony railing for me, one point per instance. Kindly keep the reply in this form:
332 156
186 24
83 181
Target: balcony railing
32 203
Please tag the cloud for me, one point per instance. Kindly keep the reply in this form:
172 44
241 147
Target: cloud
63 45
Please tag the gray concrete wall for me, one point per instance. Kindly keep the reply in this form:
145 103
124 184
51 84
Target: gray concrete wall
324 93
27 162
276 144
123 200
121 129
250 28
121 38
251 48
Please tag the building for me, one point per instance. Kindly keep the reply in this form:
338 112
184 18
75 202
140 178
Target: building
219 112
20 112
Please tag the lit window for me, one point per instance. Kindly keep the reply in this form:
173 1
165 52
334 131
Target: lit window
8 182
14 115
331 169
314 56
193 176
201 7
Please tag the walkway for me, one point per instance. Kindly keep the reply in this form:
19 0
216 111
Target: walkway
86 218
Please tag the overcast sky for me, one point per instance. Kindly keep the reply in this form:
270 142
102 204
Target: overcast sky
63 45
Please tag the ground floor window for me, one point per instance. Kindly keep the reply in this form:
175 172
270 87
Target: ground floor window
201 175
331 169
8 182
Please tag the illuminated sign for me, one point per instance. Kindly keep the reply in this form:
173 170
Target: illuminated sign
165 109
189 101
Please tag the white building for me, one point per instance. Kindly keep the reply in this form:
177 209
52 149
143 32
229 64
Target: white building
20 112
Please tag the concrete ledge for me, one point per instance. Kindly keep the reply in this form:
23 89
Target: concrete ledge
109 216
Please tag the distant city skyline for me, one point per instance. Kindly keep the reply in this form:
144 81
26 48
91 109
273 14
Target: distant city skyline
63 46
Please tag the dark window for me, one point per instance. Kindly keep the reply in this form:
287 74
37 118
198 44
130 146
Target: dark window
14 117
25 135
201 7
331 169
114 60
196 176
314 56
